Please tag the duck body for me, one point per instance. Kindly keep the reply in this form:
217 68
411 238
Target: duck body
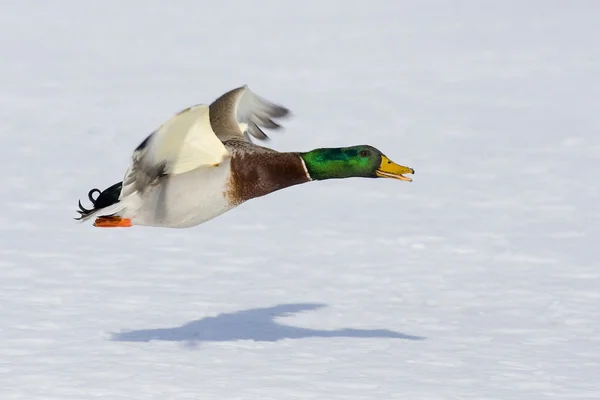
201 163
194 197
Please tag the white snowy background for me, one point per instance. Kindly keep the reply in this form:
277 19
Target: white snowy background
479 280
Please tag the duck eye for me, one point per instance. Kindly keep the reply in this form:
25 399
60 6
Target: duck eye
364 153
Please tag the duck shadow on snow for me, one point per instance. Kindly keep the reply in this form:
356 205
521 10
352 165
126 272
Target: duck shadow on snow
256 324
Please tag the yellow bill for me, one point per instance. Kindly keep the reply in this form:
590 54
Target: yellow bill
389 169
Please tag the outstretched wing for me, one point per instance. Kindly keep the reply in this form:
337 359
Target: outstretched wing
183 143
240 113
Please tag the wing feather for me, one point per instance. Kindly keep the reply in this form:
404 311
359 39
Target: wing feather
240 114
183 143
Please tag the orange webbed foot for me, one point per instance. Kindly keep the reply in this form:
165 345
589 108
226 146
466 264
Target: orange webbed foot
112 222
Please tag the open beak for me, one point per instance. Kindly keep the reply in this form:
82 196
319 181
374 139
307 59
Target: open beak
389 169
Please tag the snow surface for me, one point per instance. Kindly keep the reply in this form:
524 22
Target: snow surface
479 280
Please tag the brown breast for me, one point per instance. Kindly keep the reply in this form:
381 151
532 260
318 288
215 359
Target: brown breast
257 174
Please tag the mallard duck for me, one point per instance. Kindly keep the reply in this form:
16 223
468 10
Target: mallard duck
202 163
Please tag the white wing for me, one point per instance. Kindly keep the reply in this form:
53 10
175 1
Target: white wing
183 143
240 113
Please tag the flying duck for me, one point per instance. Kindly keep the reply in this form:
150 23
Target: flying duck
202 163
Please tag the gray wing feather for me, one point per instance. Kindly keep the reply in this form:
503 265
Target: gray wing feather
141 172
240 114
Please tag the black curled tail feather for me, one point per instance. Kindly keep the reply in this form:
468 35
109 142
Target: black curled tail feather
104 199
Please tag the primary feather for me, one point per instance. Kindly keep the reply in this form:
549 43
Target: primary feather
240 113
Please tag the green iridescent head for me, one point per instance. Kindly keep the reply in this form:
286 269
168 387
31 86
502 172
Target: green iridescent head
362 161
